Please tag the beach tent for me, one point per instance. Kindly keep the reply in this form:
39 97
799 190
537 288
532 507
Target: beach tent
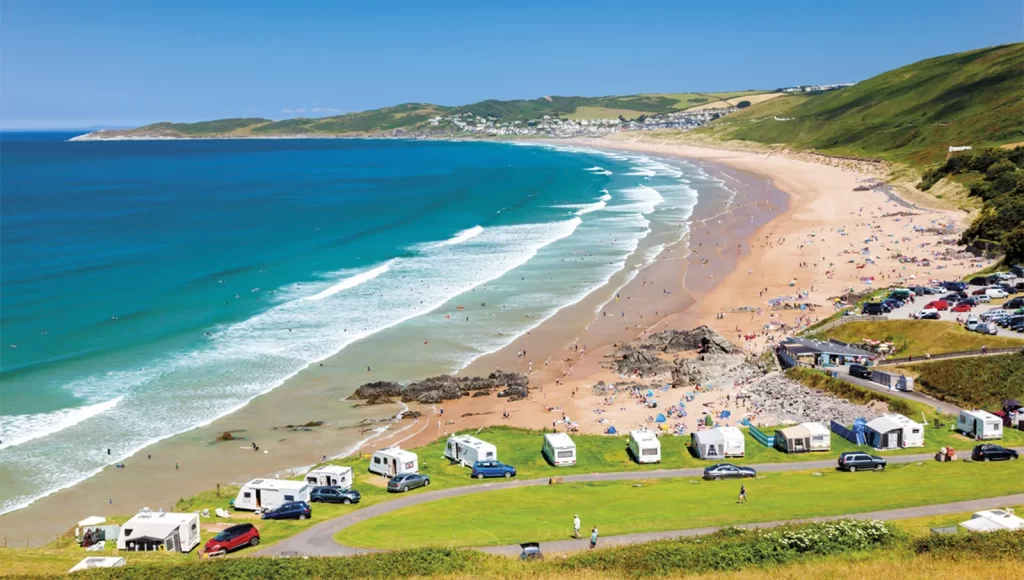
98 562
467 450
821 437
708 420
332 475
149 530
718 443
660 418
725 414
611 430
795 439
650 393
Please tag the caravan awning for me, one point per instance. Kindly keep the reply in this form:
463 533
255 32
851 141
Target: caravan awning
981 525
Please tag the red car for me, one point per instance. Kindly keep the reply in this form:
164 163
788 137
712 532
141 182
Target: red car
233 538
979 292
937 305
962 308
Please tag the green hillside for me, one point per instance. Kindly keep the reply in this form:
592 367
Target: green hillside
911 114
218 127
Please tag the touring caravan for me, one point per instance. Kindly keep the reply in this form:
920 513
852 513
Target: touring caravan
894 432
718 443
467 450
149 530
394 461
559 449
332 475
913 432
979 425
267 494
994 521
645 447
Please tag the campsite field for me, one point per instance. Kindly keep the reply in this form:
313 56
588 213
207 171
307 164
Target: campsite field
918 337
545 513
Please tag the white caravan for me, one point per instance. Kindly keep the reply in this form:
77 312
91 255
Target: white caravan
559 449
332 475
393 461
979 425
645 447
267 494
467 450
150 531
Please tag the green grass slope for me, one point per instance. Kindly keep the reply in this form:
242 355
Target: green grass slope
918 337
911 114
974 383
219 127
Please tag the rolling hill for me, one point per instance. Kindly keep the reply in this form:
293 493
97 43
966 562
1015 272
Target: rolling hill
910 114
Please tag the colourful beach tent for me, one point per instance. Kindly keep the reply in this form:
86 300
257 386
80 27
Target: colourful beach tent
660 418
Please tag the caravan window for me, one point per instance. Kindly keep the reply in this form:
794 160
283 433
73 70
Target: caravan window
408 465
567 454
289 498
650 451
376 460
246 495
915 431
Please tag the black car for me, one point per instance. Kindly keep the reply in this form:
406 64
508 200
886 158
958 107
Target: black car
930 315
872 308
727 471
860 371
408 481
979 281
1014 303
989 452
956 286
329 494
1008 288
858 461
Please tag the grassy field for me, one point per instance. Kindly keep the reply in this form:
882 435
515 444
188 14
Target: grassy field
910 114
982 382
545 513
917 337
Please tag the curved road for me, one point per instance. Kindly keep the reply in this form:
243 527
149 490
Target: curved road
319 539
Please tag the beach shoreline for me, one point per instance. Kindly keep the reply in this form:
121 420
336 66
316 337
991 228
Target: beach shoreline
696 297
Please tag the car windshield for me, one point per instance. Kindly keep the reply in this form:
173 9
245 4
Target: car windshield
223 536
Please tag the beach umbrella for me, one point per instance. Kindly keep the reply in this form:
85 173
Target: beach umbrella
660 418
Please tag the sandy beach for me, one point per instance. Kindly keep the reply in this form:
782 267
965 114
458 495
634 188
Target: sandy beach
795 230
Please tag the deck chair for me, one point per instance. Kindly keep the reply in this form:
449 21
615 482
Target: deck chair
222 513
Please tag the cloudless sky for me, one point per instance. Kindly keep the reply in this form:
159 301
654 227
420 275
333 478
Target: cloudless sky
82 63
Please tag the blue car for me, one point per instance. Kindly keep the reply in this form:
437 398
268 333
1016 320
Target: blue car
482 469
893 303
293 510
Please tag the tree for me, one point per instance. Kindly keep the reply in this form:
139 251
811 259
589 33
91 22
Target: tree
742 104
1015 246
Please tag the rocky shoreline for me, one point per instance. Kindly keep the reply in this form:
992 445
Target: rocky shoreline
514 386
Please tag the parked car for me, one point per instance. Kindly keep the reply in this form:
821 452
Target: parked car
872 308
979 292
482 469
979 281
861 370
962 307
293 510
989 452
329 494
407 481
996 293
1014 303
1007 287
531 551
858 461
928 315
1010 320
983 299
972 323
233 538
937 305
988 328
728 471
893 303
959 286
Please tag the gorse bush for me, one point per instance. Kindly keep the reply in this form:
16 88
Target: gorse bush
990 546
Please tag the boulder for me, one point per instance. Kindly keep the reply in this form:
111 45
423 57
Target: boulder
377 390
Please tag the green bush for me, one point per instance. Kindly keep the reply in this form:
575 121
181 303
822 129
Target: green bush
980 382
989 546
742 104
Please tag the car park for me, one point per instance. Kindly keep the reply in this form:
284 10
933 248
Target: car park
859 461
330 494
293 510
1014 303
406 481
979 281
482 469
233 538
937 305
728 471
989 452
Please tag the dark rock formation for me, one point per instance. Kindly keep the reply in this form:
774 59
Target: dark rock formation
443 388
701 339
379 389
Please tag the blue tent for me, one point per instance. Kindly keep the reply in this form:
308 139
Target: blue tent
611 430
660 418
650 393
725 415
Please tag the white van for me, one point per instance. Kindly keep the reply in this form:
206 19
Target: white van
645 447
559 449
996 293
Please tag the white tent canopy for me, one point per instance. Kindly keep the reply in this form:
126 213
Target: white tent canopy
718 443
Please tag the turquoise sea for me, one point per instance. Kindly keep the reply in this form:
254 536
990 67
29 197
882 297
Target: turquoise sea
147 287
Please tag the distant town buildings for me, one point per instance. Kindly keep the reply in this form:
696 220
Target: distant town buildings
816 88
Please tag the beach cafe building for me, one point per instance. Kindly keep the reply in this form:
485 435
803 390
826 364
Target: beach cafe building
816 353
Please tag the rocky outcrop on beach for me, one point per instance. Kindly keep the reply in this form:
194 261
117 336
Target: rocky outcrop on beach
781 400
445 388
650 357
701 339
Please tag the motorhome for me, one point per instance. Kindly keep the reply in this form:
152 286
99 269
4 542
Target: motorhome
645 447
394 461
331 475
559 449
267 494
467 450
152 531
979 425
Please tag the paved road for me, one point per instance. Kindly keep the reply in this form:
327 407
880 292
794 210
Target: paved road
319 539
948 408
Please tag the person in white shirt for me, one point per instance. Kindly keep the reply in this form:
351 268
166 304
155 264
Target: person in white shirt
576 526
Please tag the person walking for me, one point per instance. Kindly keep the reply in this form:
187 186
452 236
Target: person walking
576 526
593 538
743 494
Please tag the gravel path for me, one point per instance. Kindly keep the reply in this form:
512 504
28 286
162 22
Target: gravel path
319 539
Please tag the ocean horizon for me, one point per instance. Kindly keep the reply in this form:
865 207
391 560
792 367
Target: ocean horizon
150 287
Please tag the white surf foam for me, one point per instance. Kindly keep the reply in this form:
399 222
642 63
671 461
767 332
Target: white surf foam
18 429
352 282
463 236
592 207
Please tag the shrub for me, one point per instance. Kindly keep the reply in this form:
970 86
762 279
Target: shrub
742 104
989 546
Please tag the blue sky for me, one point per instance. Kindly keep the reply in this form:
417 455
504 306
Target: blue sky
96 62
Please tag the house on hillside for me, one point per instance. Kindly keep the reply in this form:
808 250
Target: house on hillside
795 350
